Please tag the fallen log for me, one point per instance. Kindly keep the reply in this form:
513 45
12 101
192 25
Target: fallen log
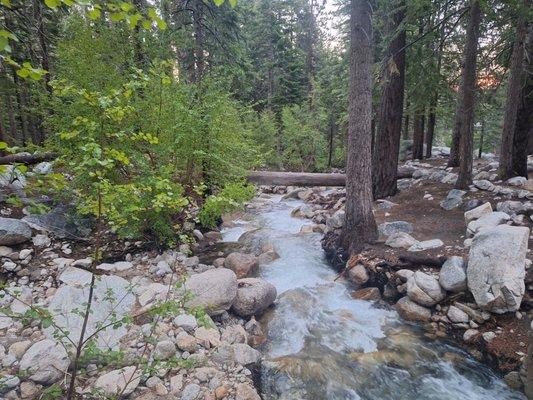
27 158
308 178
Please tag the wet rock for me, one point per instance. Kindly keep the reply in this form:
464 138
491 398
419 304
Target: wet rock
496 268
513 380
213 290
426 245
411 311
120 381
45 362
390 228
358 274
13 231
452 275
267 257
401 240
456 315
478 212
487 221
254 296
369 293
242 264
424 289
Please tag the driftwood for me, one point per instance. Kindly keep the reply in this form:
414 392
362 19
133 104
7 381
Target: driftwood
27 158
308 179
405 259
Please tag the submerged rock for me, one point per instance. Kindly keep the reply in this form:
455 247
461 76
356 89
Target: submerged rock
496 268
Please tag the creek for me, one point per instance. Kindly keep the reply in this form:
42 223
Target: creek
323 344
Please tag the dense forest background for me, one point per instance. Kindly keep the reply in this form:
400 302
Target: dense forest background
280 67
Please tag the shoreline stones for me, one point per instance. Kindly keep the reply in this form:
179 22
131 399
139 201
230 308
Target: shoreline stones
214 289
424 289
253 296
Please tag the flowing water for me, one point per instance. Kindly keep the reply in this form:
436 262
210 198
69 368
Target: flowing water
322 344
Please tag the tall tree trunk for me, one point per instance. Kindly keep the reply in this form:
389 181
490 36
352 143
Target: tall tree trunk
523 134
11 117
198 40
453 160
360 226
481 137
331 138
468 100
418 135
406 122
387 142
514 90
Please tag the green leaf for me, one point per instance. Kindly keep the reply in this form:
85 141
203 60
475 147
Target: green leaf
134 20
219 2
23 72
4 43
6 3
126 6
52 3
116 16
3 145
161 24
147 24
233 3
94 14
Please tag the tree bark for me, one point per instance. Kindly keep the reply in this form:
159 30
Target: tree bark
432 120
418 135
481 138
360 226
405 134
523 134
467 100
331 138
514 89
198 40
387 141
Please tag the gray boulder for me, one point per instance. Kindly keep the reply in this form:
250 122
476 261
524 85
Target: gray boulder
452 275
401 240
426 245
391 228
424 289
411 311
253 296
487 221
511 207
453 200
242 264
496 268
214 290
120 381
45 362
484 184
478 212
13 231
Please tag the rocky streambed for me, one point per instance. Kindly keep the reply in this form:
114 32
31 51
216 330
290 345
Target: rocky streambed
322 343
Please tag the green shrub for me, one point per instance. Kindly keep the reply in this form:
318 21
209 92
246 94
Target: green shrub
229 199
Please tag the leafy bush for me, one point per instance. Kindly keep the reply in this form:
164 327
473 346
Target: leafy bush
230 198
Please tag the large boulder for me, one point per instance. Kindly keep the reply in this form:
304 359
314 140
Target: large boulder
13 231
424 289
487 221
215 290
453 200
112 295
253 296
496 268
45 362
411 311
242 264
452 275
63 221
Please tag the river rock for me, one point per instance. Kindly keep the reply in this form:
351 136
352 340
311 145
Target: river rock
401 240
484 184
453 200
213 290
424 289
112 294
164 350
390 228
186 321
120 381
487 221
45 362
456 315
13 231
496 268
336 220
411 311
369 293
517 181
426 245
511 207
452 275
254 296
242 264
358 274
478 212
